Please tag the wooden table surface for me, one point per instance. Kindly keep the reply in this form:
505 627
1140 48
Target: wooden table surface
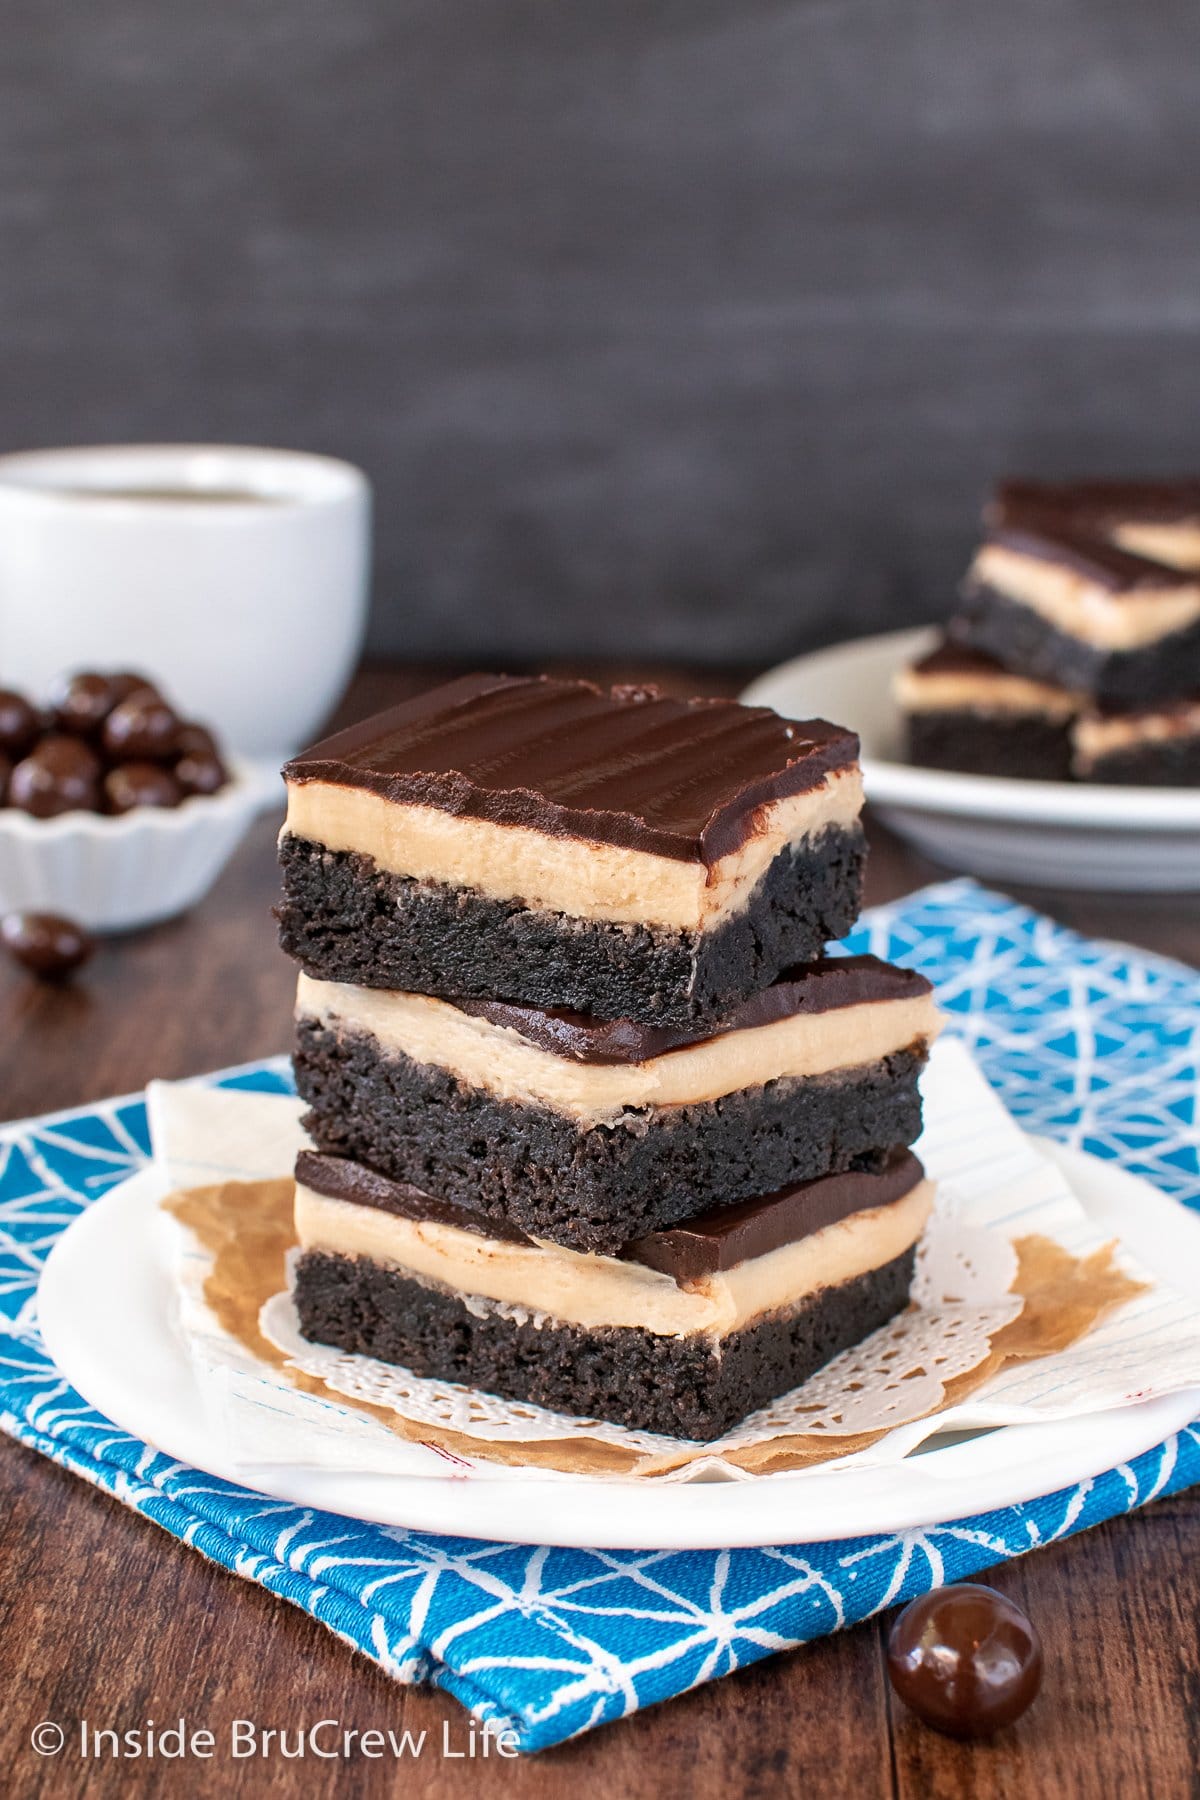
104 1617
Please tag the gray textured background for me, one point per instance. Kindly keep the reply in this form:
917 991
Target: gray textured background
682 328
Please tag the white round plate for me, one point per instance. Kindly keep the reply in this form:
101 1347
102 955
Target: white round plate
1047 833
105 1305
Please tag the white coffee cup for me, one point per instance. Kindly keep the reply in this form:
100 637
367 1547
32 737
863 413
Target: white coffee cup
236 577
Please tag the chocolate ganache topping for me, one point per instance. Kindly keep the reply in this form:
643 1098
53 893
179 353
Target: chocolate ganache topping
1102 504
340 1179
809 988
1053 538
717 1240
951 658
730 1235
629 766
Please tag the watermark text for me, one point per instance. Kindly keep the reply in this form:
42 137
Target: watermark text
322 1740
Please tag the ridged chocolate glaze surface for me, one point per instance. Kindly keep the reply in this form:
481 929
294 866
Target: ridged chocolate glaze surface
1055 539
629 766
715 1240
815 987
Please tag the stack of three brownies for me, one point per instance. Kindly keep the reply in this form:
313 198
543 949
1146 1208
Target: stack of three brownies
596 1123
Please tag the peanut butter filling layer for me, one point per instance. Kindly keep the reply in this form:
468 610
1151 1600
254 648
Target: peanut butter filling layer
546 1280
498 1060
1176 543
946 690
1101 616
1097 735
583 878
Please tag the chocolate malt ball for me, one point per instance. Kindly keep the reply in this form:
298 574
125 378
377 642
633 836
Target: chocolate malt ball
59 775
965 1660
45 944
141 728
134 784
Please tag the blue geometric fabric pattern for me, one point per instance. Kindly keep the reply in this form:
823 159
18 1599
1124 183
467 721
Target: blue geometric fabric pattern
1094 1044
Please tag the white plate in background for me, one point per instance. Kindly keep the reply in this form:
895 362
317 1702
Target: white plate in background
1047 833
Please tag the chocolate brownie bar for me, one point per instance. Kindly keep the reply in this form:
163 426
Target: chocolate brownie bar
587 1132
683 1333
623 853
1064 606
1159 747
964 710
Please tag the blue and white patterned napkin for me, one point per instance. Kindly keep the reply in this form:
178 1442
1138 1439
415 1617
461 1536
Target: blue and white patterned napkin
1094 1044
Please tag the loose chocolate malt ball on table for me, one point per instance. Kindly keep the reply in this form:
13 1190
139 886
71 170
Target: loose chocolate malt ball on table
45 944
965 1659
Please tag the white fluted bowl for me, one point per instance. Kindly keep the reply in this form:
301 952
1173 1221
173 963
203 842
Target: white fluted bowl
117 874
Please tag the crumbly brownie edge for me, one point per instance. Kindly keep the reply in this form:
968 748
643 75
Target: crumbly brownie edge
683 1387
1172 763
344 919
1027 746
1028 644
595 1190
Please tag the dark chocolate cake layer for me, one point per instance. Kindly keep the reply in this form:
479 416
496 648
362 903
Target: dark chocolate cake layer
630 766
1024 746
689 1387
1028 644
597 1189
344 919
1174 762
